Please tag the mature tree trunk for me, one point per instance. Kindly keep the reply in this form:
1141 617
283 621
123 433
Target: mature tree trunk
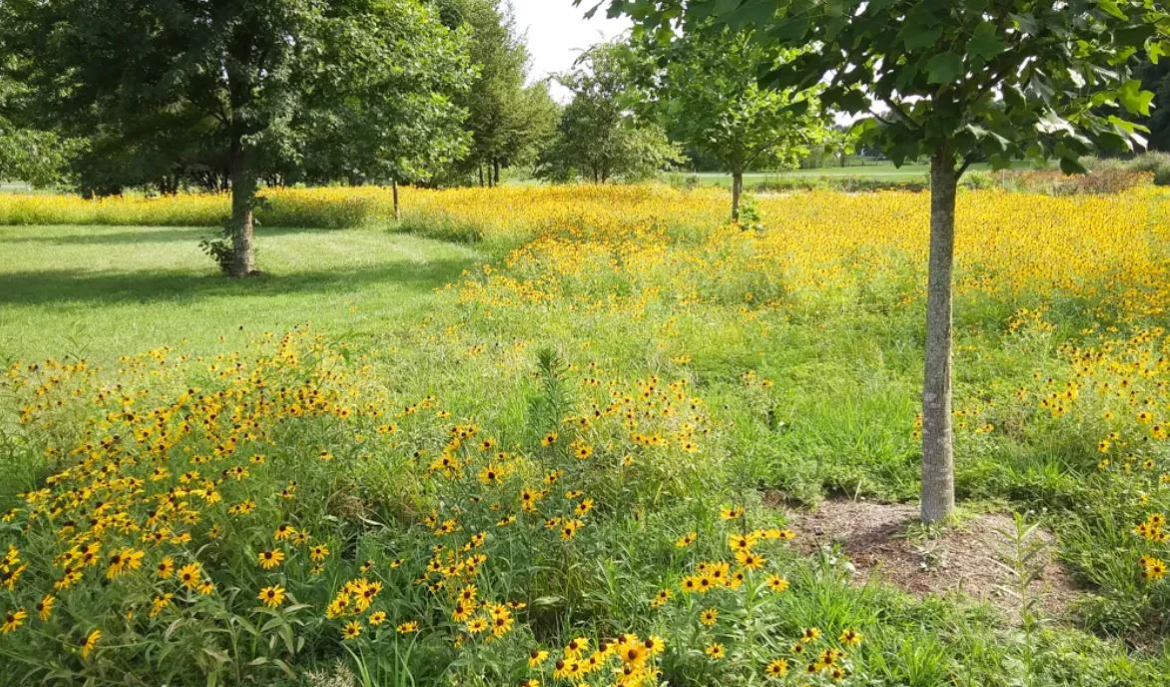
243 198
496 171
938 461
394 189
480 168
736 192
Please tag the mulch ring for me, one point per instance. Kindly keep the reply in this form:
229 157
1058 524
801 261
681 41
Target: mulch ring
879 540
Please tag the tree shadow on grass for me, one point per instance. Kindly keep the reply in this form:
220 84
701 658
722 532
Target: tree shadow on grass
136 235
49 287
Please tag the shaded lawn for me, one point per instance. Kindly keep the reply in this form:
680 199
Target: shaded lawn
100 292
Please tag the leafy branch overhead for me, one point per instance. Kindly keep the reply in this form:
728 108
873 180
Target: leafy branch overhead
994 79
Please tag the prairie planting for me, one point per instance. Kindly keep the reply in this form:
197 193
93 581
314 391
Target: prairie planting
564 434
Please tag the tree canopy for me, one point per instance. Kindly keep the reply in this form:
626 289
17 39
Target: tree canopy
599 136
167 89
711 101
955 81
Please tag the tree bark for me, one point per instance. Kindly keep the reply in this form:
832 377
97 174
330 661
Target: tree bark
243 199
480 167
496 171
736 192
394 189
938 461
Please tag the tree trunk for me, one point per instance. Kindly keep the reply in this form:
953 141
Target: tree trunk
480 168
496 171
243 197
736 191
394 189
938 461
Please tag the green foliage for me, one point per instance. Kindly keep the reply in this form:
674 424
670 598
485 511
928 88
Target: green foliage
1156 79
598 138
966 80
507 120
229 92
710 101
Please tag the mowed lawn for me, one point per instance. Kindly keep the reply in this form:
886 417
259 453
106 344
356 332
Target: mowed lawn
101 292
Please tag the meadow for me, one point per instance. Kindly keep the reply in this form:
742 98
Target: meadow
565 436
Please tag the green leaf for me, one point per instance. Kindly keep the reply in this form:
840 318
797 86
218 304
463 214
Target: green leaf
1134 99
1070 165
1111 7
723 7
1157 50
920 36
944 68
758 13
985 42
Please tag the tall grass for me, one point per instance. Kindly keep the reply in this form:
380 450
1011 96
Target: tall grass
321 208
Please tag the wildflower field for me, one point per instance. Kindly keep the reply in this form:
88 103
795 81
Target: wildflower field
561 436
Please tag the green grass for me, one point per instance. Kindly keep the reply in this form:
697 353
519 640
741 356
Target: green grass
100 292
837 422
875 172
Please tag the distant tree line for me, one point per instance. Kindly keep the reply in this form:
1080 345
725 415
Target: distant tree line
219 95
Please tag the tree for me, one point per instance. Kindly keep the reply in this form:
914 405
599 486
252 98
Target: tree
840 142
598 136
27 154
1156 79
505 118
713 103
173 84
399 121
953 81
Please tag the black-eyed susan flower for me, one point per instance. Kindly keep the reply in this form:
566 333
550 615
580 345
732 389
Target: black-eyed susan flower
90 643
272 596
660 598
476 625
731 513
190 575
13 619
44 607
777 668
270 559
850 637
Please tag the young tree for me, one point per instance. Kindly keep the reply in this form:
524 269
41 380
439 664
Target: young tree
36 157
599 136
712 103
506 119
954 81
250 81
1156 79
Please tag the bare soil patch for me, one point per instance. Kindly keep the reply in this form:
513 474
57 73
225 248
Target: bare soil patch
880 540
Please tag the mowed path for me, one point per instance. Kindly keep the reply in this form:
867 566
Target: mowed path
101 292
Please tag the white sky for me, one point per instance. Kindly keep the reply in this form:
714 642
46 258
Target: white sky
557 33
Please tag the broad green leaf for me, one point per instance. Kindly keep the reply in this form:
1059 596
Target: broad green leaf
1111 7
1070 165
944 68
723 7
1134 99
921 36
985 42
